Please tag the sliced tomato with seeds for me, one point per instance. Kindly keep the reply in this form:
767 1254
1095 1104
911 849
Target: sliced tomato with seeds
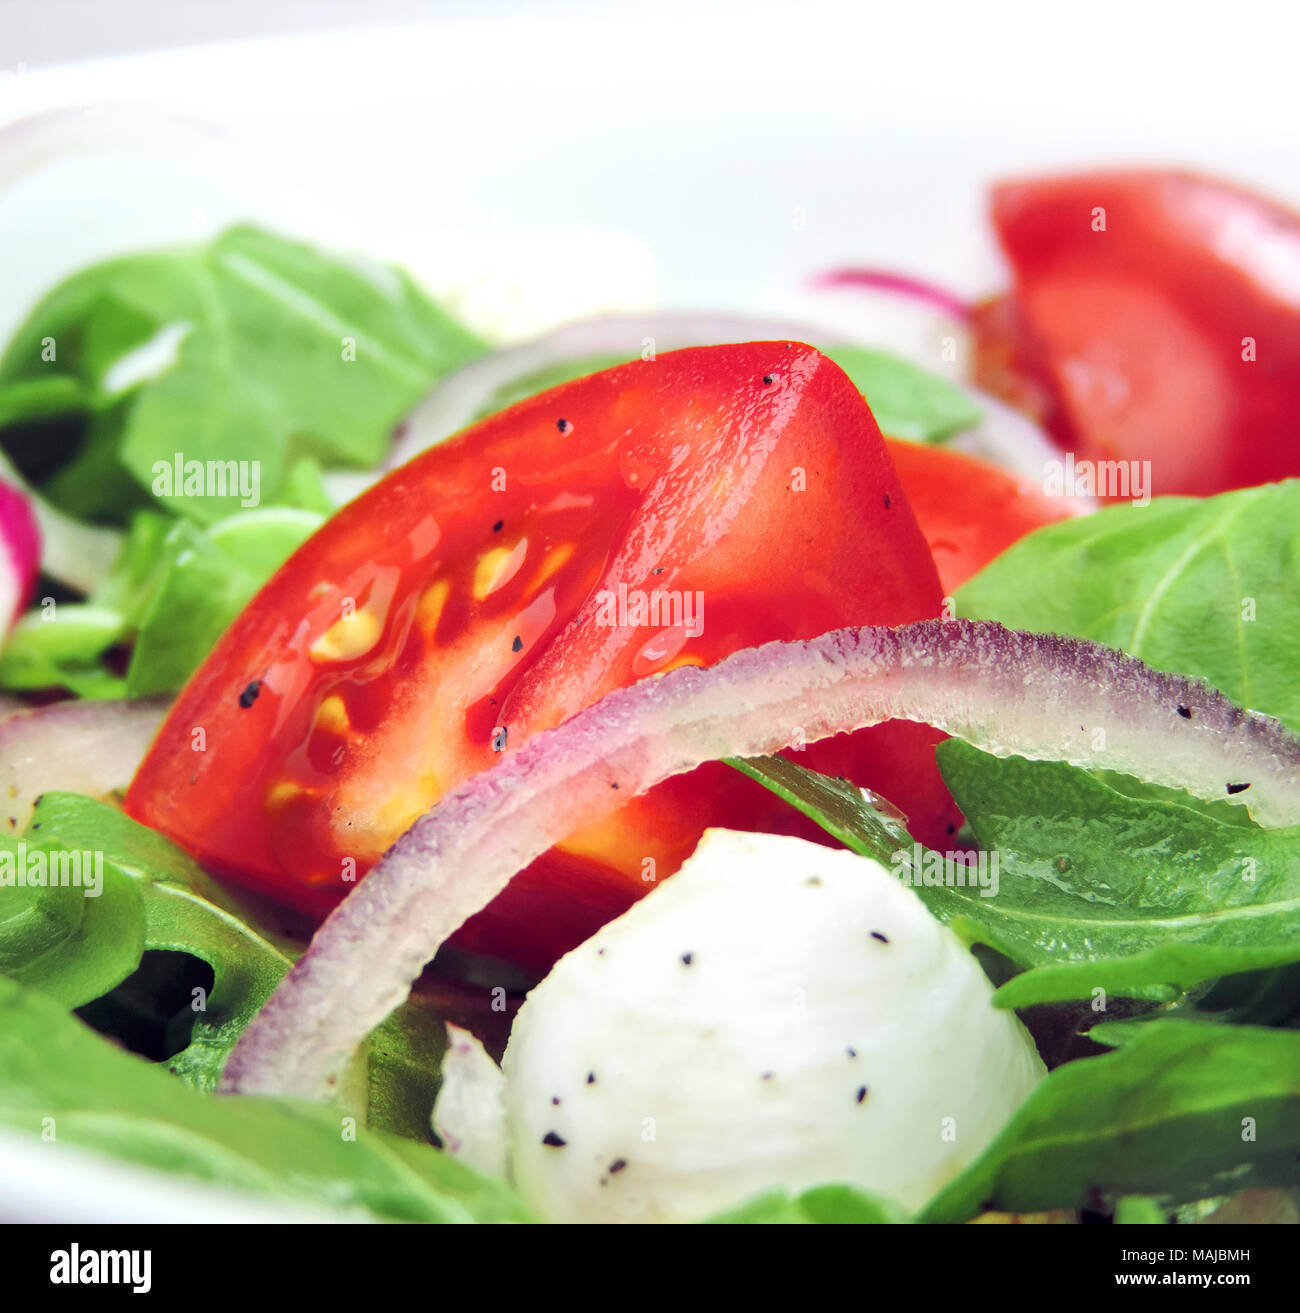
968 510
1155 317
664 512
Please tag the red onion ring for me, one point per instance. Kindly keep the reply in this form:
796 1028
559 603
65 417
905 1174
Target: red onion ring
884 280
20 553
1042 696
77 554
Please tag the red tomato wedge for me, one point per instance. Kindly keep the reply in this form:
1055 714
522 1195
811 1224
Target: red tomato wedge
1155 317
659 513
968 510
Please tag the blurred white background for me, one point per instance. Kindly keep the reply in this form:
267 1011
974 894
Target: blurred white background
735 147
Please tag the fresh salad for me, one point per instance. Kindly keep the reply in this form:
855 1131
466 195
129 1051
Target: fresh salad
680 768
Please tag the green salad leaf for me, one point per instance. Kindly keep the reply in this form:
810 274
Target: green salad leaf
206 577
907 401
1182 1110
1098 893
57 1077
167 906
74 941
251 348
858 819
62 647
173 590
823 1204
1207 587
1132 897
179 908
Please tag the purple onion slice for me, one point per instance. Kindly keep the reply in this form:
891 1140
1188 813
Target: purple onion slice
892 283
1041 696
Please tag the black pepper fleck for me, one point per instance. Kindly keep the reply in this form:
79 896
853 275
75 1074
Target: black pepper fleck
687 959
768 380
852 1052
617 1165
553 1141
591 1078
499 739
517 645
1185 712
861 1096
555 1100
1238 788
249 695
884 939
498 526
563 425
659 569
887 502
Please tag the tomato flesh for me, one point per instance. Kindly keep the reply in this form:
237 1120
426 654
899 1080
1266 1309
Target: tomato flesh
968 510
1156 317
501 582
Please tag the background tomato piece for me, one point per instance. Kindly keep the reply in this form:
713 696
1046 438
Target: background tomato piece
1171 334
968 510
464 603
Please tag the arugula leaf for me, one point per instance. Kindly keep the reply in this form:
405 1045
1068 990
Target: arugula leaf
402 1059
180 908
1094 890
1138 1210
1182 1110
1133 897
867 825
62 646
252 347
62 649
907 401
177 907
54 1067
174 588
206 580
32 399
61 938
826 1204
1198 587
856 817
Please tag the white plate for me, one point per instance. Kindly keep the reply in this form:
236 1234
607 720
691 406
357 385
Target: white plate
547 163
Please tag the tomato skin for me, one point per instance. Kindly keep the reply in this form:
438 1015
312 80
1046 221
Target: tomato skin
456 608
1172 335
968 510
